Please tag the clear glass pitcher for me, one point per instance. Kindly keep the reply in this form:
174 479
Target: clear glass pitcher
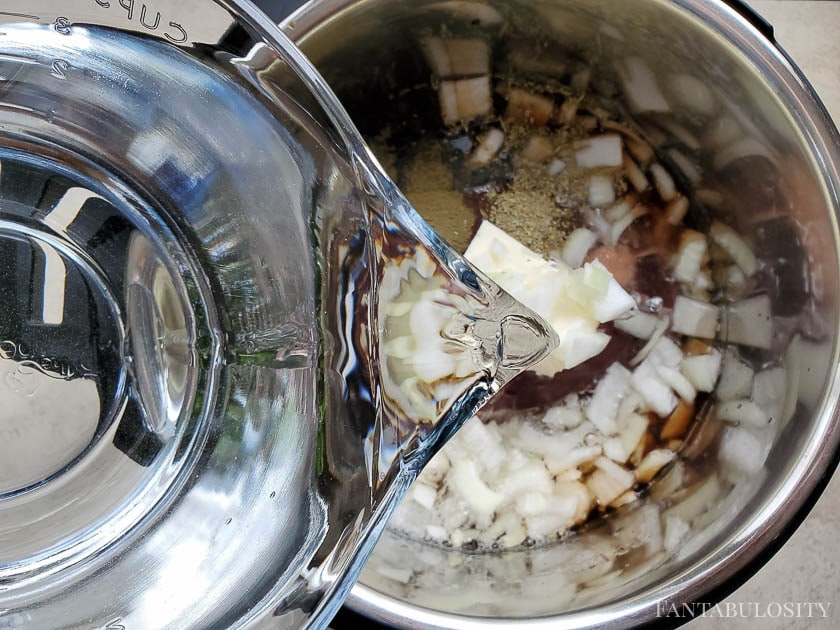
228 342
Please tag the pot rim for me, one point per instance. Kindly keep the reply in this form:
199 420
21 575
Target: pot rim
748 548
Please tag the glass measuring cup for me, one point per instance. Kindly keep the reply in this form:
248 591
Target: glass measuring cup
228 342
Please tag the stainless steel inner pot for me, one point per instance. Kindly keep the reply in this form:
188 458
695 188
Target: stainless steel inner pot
762 126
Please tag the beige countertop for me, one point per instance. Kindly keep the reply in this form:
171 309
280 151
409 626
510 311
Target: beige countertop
807 569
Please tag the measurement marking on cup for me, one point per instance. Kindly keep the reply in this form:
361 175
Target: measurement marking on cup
62 25
20 15
115 624
59 69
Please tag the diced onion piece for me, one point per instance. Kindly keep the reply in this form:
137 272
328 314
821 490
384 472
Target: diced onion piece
489 144
631 434
436 533
793 368
527 107
703 497
598 151
749 322
615 303
702 370
538 149
609 481
555 167
448 99
688 168
436 469
638 324
661 326
692 93
464 480
568 111
732 243
601 191
690 256
769 390
602 410
675 530
563 417
635 174
741 450
465 99
436 54
626 221
577 245
676 381
679 133
468 56
652 463
736 378
641 151
676 426
744 147
618 211
663 181
815 361
742 411
641 87
625 498
424 495
397 574
657 395
676 210
694 318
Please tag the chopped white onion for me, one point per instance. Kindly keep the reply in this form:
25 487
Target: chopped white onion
527 107
652 463
601 191
555 167
489 144
686 165
598 151
695 318
465 99
749 322
674 379
769 391
635 174
690 256
735 246
602 410
538 149
658 332
702 370
626 221
742 411
744 147
424 495
692 93
736 378
741 451
638 324
577 245
663 181
676 210
641 87
675 530
468 56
